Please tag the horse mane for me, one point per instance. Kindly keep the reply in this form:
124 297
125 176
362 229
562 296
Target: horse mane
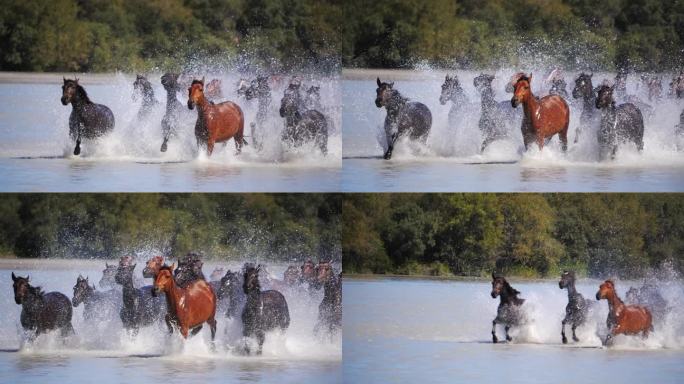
395 95
80 92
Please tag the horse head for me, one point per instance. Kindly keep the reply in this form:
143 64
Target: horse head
567 279
483 82
583 86
152 266
384 93
195 93
324 272
498 283
124 274
251 280
228 282
108 275
217 274
604 98
606 290
140 85
69 90
522 90
308 271
170 82
81 289
291 275
449 88
164 280
22 288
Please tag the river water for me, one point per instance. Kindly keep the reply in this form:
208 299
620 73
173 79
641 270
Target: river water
451 159
35 150
104 353
404 330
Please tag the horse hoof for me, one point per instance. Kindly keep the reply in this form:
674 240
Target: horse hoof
575 339
565 340
508 338
77 151
163 147
494 340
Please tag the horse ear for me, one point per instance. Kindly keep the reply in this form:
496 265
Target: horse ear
76 80
530 78
202 80
64 78
258 268
378 81
391 85
14 278
28 277
591 75
493 275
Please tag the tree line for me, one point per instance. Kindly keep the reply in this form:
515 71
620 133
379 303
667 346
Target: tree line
128 35
277 227
531 235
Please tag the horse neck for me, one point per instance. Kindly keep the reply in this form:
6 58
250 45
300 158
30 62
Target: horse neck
614 302
173 294
148 95
330 286
589 98
170 96
487 96
396 102
531 106
80 98
33 299
572 291
508 296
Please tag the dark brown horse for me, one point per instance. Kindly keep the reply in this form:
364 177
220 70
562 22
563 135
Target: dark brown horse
544 118
152 266
108 275
216 123
87 120
264 310
230 288
623 319
142 87
42 312
585 90
330 309
139 308
404 117
576 310
189 307
171 119
508 313
302 125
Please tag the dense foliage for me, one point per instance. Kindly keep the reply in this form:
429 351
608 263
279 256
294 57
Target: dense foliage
281 227
105 35
522 234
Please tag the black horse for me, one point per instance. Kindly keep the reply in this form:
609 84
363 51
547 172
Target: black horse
170 121
302 125
452 91
42 312
585 90
260 90
508 313
618 124
140 308
404 117
330 309
98 306
142 87
577 308
230 288
87 120
264 311
496 118
558 87
189 269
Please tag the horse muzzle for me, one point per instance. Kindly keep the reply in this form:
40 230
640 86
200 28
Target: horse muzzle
378 103
156 291
17 300
442 100
598 295
514 102
64 101
191 105
494 294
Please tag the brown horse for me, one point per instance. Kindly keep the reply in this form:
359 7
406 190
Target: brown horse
188 307
625 319
152 266
544 118
216 123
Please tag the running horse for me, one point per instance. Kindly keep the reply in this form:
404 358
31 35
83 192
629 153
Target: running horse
216 123
585 90
87 120
452 91
330 309
189 308
623 319
404 118
547 116
99 306
171 118
618 123
213 90
143 87
302 124
42 312
508 313
577 308
496 117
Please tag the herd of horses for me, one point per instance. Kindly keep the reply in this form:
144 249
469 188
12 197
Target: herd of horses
184 300
541 118
217 122
644 306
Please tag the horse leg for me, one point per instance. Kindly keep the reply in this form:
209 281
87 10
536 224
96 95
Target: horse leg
169 324
563 338
261 337
540 140
68 330
563 135
574 336
508 338
238 143
195 330
210 146
494 339
212 327
184 330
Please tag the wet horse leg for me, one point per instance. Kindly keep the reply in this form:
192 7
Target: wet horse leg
506 328
195 330
212 327
563 338
563 135
494 338
169 322
261 337
574 336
